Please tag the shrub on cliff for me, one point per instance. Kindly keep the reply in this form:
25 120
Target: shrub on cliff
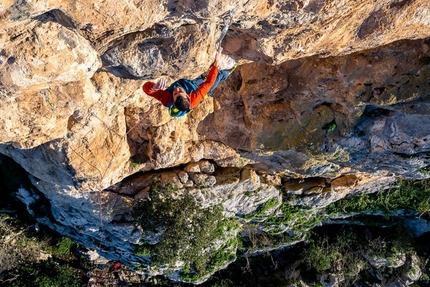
26 259
200 238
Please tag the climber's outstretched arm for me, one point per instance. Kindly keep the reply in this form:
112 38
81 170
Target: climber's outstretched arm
156 90
198 95
217 57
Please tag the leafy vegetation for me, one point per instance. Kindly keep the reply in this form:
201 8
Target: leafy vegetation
254 240
331 126
45 274
338 256
293 217
263 209
344 252
63 247
181 235
188 233
28 260
408 195
351 254
291 222
424 170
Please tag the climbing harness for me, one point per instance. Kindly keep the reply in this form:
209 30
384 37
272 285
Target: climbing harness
227 20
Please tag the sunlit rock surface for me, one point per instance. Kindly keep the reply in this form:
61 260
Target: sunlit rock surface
329 99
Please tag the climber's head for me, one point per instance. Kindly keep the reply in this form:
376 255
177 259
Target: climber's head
181 99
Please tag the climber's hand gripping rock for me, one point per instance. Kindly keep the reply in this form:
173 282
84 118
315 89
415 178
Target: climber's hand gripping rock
161 84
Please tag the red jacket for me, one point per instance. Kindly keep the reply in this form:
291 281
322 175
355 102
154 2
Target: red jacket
165 97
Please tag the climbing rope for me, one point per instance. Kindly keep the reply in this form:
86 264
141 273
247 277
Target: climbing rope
110 162
102 174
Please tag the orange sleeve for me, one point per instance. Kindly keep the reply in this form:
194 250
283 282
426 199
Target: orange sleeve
162 95
198 95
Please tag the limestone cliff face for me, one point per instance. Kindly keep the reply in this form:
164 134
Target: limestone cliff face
335 93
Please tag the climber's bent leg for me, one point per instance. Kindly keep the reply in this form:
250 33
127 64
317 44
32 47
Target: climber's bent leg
222 76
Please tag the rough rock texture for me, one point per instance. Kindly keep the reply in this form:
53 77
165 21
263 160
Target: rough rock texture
329 99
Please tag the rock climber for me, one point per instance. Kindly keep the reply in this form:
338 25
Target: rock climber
184 95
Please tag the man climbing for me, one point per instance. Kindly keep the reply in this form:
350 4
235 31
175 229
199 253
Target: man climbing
184 95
